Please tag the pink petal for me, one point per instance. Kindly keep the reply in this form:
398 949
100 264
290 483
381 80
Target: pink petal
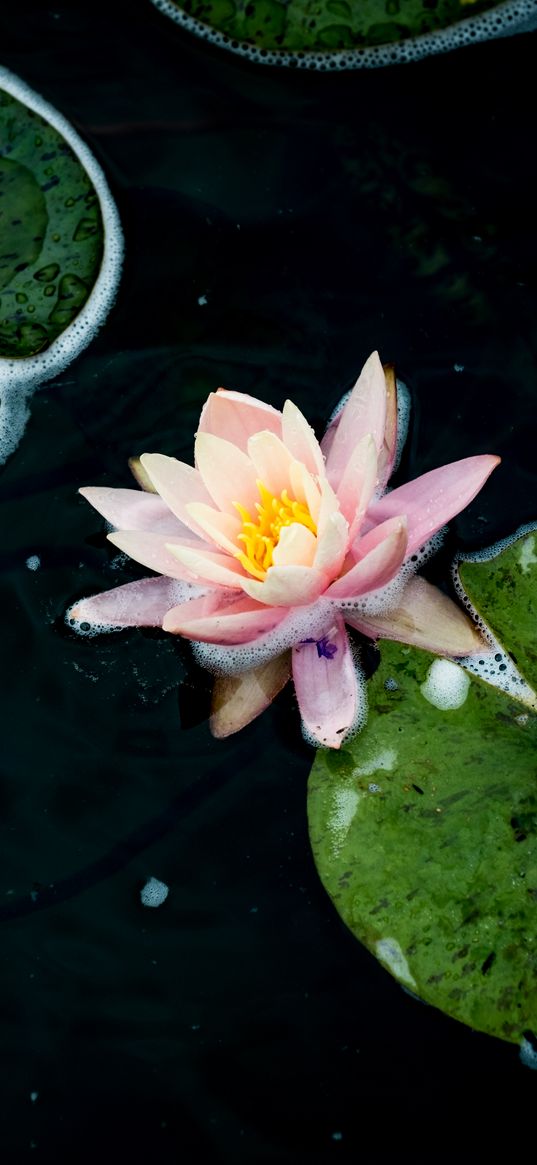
332 545
329 505
239 699
332 534
364 412
296 546
143 603
131 509
358 482
327 439
426 618
235 417
329 694
286 586
235 659
300 439
177 484
228 474
220 569
382 552
431 500
272 461
219 527
213 620
152 550
305 489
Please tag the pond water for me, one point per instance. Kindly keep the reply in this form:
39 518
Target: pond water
278 227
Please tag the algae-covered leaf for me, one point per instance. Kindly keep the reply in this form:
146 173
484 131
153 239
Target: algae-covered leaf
345 34
61 248
51 231
424 828
501 586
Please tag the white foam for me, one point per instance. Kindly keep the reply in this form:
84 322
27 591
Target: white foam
528 1054
404 405
33 562
310 622
389 952
154 893
494 666
446 686
20 378
385 599
384 761
527 557
511 17
345 802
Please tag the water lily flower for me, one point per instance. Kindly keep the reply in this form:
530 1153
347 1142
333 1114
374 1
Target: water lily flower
273 545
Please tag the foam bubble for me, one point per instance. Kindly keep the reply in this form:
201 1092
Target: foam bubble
389 952
508 18
528 1054
345 802
494 665
310 622
527 557
20 378
380 761
89 630
154 893
404 405
385 599
446 685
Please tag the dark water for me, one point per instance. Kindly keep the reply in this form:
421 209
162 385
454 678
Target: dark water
321 216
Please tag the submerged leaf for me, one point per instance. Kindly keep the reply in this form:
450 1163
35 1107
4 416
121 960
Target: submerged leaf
61 249
335 33
424 828
51 231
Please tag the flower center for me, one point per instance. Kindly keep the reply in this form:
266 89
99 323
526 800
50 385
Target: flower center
259 535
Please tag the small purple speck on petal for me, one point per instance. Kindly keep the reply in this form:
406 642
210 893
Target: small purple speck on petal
325 648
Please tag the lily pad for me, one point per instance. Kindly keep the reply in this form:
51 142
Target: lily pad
60 248
51 231
424 828
346 33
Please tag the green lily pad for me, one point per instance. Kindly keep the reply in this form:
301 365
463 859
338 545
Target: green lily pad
61 249
503 591
296 31
51 231
424 827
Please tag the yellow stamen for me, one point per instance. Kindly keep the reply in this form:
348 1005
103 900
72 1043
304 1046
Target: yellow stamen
260 535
